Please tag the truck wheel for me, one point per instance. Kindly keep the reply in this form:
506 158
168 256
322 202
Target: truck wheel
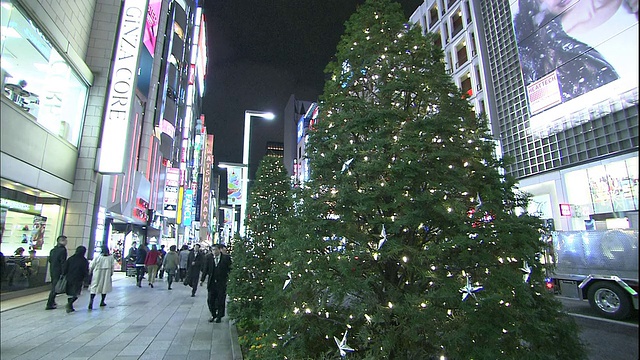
609 300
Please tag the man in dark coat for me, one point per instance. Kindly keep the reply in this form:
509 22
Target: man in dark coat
141 256
76 269
194 265
160 267
217 268
57 258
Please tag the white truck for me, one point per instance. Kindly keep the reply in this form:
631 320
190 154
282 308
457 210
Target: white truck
601 266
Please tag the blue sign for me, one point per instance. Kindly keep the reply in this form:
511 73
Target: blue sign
188 205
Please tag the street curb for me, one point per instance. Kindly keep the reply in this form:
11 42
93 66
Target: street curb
236 352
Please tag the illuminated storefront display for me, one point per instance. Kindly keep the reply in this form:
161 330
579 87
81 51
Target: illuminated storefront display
32 220
38 79
611 187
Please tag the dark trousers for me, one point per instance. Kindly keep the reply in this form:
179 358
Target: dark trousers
170 276
139 274
216 300
182 274
193 281
52 293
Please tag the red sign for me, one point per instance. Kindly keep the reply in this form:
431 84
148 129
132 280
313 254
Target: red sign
565 209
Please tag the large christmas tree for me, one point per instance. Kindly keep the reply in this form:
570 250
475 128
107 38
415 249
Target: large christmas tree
269 203
406 243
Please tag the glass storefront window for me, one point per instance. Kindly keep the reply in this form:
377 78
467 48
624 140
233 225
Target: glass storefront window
612 187
37 79
599 184
31 220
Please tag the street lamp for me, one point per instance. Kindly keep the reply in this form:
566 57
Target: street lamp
245 160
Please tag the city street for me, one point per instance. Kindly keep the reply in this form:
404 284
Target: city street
605 339
137 323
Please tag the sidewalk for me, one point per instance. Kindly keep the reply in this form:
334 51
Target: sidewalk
137 323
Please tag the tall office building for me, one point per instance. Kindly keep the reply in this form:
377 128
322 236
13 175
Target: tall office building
562 98
295 135
99 98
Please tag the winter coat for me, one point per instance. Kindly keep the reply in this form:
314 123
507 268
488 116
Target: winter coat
101 269
76 269
218 275
171 262
194 264
57 257
141 255
152 258
184 258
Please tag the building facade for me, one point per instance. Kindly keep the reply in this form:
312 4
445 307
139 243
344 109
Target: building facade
569 121
108 92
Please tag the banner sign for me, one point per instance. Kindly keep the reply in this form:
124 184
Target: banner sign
121 87
188 205
234 185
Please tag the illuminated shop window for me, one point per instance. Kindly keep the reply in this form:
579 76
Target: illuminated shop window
37 79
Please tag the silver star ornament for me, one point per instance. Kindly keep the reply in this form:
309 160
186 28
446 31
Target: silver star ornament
383 237
286 282
342 345
346 165
526 271
469 290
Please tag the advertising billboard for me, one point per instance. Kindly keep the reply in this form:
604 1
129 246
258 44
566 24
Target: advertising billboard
171 189
120 93
579 59
151 25
234 186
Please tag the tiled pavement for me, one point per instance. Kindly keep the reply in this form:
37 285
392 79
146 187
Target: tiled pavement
137 323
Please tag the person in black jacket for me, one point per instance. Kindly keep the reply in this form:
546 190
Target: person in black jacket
194 265
57 258
141 255
217 268
76 269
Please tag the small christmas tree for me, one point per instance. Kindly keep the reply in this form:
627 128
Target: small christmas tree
269 202
406 243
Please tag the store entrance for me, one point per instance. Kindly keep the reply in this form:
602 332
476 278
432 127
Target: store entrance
121 239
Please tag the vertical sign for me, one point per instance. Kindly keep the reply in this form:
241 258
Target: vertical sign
206 189
197 201
151 25
234 185
188 205
171 188
121 87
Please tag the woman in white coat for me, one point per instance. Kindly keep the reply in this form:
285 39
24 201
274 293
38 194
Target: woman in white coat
101 270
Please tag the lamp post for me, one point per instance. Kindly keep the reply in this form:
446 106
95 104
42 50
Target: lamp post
245 160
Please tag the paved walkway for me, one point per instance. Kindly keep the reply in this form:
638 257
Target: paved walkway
137 323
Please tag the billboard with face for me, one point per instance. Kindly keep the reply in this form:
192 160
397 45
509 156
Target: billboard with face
579 58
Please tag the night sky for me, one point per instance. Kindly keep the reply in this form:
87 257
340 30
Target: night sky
260 53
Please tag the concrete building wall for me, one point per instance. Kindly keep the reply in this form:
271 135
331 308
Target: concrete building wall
86 190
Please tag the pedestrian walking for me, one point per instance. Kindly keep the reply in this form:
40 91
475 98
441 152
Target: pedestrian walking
184 260
217 269
163 253
101 271
151 262
141 256
170 264
194 265
57 258
76 270
131 258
